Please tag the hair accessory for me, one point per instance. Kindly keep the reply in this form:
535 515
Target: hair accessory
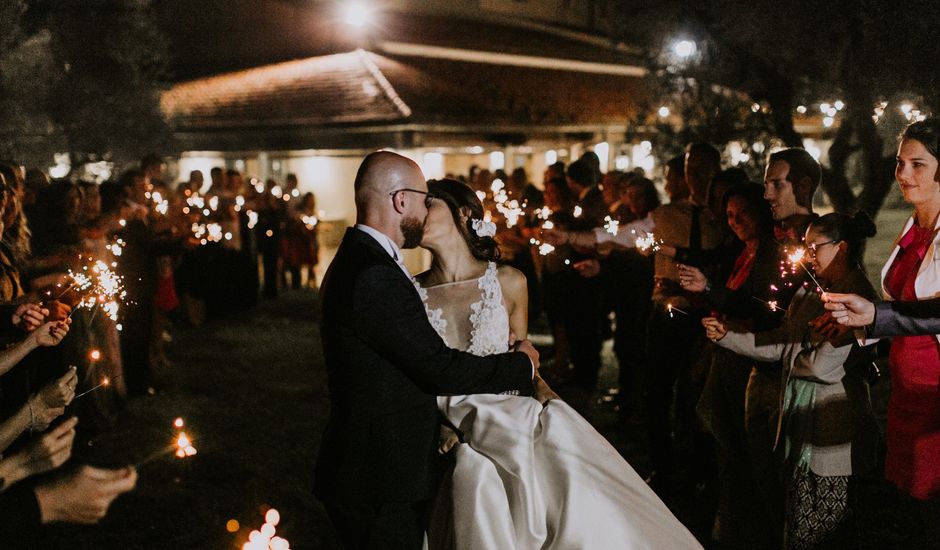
484 228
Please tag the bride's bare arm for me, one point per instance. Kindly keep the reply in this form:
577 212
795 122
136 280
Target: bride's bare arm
516 296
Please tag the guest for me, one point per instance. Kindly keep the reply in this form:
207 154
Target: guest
913 430
299 247
584 313
827 431
745 515
557 277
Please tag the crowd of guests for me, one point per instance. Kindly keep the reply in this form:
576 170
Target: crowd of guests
183 254
754 399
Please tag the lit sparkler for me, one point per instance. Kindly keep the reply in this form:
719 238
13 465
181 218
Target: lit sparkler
647 242
98 286
772 304
670 308
264 538
611 225
796 259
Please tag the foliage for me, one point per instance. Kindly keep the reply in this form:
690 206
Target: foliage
82 76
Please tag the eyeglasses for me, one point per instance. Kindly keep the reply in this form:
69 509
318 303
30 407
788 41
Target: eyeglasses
812 248
428 197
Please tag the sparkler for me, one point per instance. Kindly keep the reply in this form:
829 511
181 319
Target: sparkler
670 308
264 538
105 382
611 225
647 242
796 258
772 304
98 286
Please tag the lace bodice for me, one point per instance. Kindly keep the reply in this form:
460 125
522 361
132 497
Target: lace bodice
470 315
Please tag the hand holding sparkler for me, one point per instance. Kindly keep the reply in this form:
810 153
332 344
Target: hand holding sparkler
826 328
50 334
850 309
40 455
692 278
84 495
715 330
49 403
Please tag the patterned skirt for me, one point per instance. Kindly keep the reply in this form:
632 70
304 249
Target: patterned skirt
817 508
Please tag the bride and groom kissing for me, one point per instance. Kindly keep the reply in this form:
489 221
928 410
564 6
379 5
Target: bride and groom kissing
406 354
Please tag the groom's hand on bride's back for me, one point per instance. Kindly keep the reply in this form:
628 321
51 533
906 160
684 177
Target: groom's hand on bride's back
527 348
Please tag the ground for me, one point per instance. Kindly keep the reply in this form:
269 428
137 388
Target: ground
252 391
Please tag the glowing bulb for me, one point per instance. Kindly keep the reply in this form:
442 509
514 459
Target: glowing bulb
95 355
358 14
178 422
664 111
684 48
272 516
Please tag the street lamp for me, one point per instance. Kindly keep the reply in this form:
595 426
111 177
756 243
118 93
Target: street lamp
357 14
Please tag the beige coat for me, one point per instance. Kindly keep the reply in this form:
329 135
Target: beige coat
844 435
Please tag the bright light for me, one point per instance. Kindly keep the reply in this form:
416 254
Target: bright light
824 108
906 108
832 111
358 14
497 161
622 162
755 107
801 109
839 104
63 165
828 121
551 157
432 164
684 48
664 111
602 150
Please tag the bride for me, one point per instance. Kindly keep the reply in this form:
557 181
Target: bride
526 475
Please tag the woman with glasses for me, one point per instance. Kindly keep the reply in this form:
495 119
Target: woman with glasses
827 431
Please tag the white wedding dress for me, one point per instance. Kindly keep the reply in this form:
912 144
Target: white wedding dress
529 476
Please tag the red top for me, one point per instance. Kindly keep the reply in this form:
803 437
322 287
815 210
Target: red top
913 435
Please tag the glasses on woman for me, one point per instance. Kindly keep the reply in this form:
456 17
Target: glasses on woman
812 248
428 197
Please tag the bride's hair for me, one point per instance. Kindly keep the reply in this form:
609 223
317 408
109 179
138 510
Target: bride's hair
463 201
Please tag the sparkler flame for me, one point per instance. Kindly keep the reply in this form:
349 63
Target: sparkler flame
611 225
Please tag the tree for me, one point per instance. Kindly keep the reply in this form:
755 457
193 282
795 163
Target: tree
782 55
91 71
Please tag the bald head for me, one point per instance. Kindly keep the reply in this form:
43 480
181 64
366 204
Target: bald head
381 173
378 205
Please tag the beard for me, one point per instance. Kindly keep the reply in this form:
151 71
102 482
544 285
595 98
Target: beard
412 229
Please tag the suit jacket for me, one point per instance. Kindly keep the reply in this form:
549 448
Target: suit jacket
906 318
385 365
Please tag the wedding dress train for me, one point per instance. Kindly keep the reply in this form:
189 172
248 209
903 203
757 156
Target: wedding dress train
528 476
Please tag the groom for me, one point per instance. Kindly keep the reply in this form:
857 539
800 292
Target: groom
378 464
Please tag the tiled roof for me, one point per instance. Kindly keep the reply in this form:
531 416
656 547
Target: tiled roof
328 90
351 91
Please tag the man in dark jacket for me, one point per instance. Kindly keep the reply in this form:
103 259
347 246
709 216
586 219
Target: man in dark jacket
378 464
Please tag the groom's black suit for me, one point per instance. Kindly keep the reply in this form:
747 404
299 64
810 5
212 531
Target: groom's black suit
386 364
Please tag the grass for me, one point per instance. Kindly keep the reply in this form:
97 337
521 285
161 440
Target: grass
252 390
